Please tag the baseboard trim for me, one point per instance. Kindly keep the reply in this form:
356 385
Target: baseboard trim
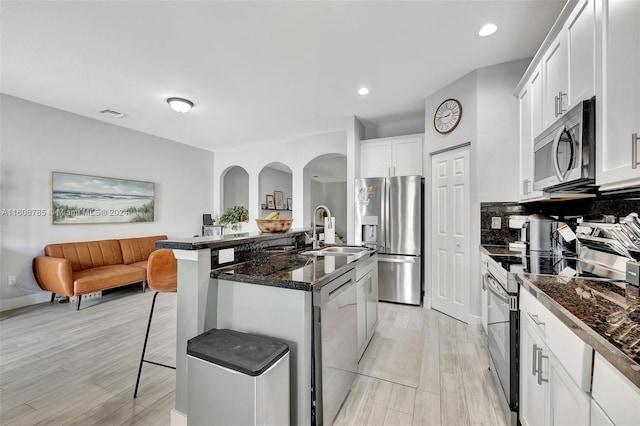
177 418
27 300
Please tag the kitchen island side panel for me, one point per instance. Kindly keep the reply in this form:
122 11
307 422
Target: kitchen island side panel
283 314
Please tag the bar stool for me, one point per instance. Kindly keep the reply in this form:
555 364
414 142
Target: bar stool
162 276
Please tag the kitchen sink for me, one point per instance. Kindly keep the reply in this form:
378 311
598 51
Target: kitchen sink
335 251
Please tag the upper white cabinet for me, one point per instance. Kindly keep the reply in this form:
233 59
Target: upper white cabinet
530 102
555 76
618 96
580 32
398 156
568 65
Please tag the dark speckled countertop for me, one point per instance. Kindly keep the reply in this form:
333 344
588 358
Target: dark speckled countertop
292 270
603 313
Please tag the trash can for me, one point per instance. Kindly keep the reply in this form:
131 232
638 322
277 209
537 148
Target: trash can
236 378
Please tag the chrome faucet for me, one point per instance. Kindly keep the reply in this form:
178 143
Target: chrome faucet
314 239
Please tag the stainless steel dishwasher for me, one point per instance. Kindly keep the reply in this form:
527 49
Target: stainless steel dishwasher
335 348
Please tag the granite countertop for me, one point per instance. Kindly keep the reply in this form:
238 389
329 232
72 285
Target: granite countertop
224 241
292 270
489 249
603 313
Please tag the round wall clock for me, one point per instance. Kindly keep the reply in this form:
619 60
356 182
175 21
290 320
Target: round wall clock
447 116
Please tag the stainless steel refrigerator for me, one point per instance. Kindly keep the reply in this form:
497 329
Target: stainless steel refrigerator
389 218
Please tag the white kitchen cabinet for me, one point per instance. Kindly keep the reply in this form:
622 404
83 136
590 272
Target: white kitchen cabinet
568 65
530 102
618 398
533 387
618 95
555 368
568 404
399 156
598 417
366 303
555 79
580 31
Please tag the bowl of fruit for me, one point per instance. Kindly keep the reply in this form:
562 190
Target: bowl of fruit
272 223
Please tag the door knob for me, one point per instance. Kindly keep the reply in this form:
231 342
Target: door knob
457 244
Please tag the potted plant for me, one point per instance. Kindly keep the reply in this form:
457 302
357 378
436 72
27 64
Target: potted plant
233 216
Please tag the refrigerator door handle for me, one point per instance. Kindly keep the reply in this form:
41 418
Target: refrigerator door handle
387 214
384 260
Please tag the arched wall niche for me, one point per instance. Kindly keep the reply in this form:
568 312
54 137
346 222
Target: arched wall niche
325 183
275 180
234 188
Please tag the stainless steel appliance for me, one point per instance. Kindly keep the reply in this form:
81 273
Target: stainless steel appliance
335 350
389 218
542 234
503 324
564 154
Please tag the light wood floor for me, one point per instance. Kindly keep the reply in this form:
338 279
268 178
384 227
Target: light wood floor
62 367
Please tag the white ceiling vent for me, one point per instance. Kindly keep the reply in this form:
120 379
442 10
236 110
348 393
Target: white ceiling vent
112 113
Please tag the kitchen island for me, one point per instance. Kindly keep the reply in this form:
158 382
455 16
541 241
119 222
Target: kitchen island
261 293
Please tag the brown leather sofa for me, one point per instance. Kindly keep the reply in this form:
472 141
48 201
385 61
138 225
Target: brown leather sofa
74 269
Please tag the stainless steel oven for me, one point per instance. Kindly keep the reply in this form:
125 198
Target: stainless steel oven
502 328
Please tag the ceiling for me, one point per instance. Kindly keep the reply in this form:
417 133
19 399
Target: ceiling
257 72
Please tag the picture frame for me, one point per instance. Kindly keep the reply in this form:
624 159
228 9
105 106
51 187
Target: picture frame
279 199
289 203
270 202
87 199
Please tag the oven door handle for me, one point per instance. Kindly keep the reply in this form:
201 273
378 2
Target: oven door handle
495 288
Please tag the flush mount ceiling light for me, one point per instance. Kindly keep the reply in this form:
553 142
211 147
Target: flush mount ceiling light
363 91
487 29
180 105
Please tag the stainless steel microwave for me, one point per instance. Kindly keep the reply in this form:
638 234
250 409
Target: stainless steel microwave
565 153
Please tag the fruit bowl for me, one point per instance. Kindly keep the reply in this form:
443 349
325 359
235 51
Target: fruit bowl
274 225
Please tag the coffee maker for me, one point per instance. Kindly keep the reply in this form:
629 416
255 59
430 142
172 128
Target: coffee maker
518 222
543 235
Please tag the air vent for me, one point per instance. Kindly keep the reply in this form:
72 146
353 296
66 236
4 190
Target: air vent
112 113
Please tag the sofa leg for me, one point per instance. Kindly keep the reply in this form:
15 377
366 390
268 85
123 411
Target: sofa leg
144 286
53 297
78 298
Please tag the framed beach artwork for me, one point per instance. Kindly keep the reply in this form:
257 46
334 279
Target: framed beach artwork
279 199
93 199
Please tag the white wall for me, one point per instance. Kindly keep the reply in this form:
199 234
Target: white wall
37 140
394 127
490 123
295 154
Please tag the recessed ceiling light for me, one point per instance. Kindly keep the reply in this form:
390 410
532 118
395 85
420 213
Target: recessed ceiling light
363 91
180 105
487 30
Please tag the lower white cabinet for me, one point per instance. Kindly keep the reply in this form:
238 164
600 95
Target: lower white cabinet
549 393
614 394
598 417
366 303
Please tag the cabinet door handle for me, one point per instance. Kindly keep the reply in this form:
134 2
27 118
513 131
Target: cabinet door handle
540 356
390 172
556 106
534 364
634 150
560 95
535 319
394 170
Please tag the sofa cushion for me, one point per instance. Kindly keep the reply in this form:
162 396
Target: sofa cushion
142 264
88 254
105 277
138 249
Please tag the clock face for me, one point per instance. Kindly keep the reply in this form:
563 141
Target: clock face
447 116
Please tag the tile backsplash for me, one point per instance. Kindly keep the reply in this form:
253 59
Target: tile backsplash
618 206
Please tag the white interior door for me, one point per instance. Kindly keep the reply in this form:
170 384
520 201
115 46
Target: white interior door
450 232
